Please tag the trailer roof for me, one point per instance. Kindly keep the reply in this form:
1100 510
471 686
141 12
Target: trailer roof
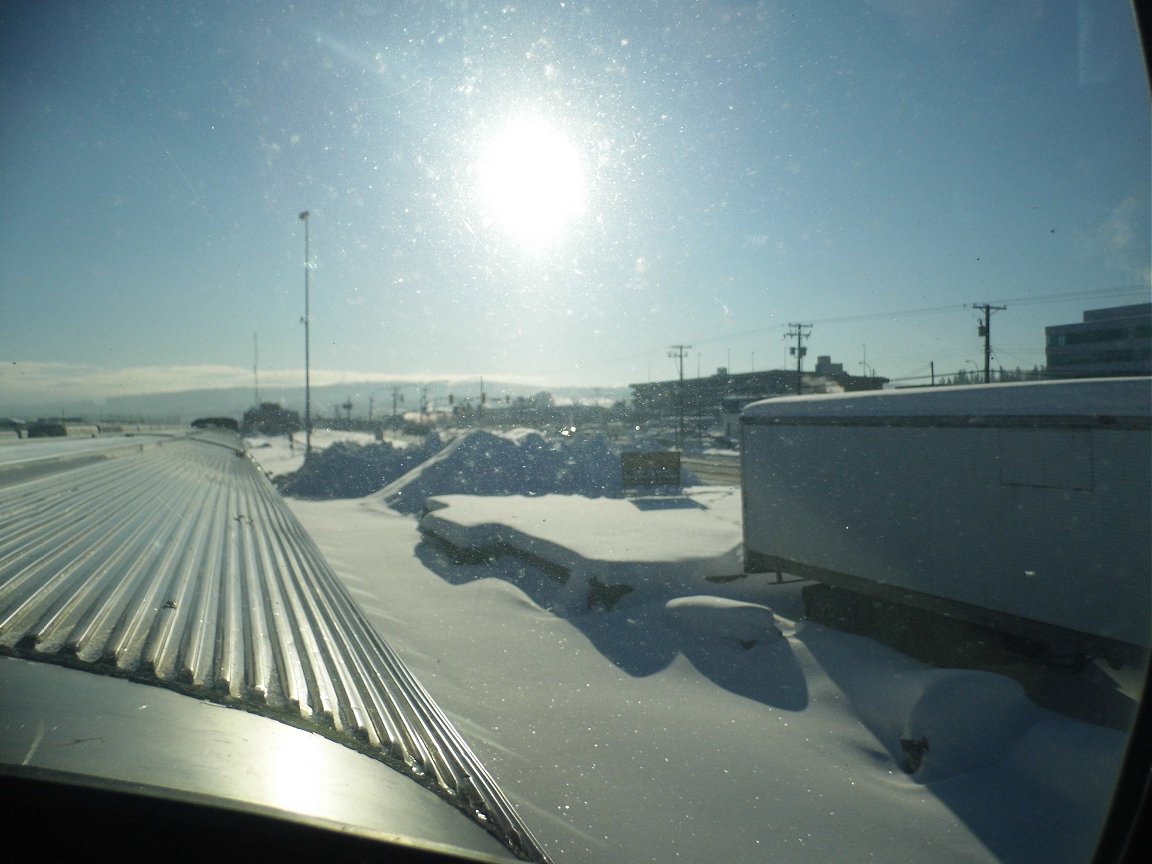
1116 397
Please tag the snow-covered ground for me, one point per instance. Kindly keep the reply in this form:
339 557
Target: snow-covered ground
696 716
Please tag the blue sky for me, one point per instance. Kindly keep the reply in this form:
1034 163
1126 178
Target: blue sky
873 170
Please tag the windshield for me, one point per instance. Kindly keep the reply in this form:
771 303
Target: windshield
511 301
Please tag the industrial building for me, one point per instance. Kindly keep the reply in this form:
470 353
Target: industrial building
1107 343
270 419
705 396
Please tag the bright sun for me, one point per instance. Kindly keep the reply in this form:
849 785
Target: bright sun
530 181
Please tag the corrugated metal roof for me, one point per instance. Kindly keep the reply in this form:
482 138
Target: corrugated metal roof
180 566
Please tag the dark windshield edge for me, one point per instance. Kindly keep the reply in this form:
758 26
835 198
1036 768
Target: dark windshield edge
1126 830
1142 11
139 820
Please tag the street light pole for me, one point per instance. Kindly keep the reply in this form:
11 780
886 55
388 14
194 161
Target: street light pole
676 352
307 345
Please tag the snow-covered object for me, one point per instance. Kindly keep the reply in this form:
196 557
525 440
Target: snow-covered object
657 553
724 618
519 463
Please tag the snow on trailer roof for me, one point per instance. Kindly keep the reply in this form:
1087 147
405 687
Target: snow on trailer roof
1114 397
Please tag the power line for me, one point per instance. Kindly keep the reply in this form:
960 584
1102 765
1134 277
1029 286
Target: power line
1117 291
952 307
1081 294
932 310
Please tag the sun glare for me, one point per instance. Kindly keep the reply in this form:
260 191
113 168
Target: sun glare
530 182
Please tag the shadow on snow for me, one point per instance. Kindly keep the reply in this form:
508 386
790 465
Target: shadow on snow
639 637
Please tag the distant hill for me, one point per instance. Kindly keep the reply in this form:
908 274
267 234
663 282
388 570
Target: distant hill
187 405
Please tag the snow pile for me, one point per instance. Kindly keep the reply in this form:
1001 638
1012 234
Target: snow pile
349 470
283 454
517 463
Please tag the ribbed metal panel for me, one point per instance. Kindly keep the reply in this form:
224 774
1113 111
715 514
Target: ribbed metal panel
180 566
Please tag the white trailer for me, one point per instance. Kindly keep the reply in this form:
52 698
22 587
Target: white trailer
1020 507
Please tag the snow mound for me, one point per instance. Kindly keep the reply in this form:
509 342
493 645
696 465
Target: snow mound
518 463
748 623
348 470
963 720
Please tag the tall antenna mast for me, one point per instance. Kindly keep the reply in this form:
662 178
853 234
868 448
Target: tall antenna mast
676 352
256 365
307 325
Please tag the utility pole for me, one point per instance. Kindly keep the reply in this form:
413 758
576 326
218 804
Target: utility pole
985 330
425 402
798 350
307 346
676 352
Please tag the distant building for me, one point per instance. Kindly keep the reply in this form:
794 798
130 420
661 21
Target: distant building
1107 343
270 419
704 397
825 366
